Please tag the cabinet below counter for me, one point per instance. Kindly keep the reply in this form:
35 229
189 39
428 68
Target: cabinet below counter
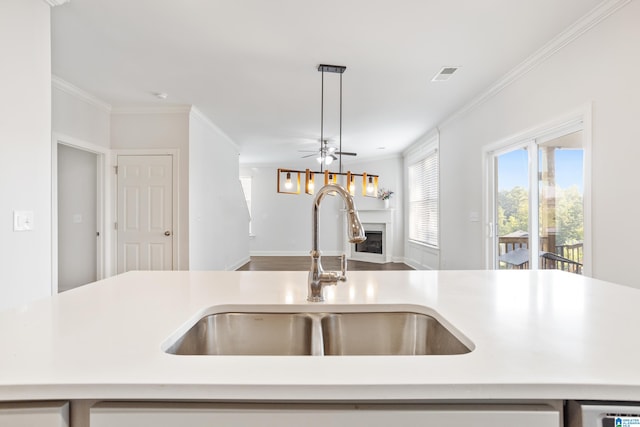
34 414
169 414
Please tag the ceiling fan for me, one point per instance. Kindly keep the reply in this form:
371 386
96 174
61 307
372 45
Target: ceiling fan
327 153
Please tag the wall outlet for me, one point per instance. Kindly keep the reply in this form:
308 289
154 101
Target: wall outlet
22 220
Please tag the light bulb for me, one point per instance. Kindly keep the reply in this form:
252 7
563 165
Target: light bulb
288 184
370 186
328 160
352 187
319 159
310 185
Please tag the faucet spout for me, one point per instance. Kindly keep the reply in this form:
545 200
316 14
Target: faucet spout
318 278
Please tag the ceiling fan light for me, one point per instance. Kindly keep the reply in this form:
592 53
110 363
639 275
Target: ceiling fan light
328 160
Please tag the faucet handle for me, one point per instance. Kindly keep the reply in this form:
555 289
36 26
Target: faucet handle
343 268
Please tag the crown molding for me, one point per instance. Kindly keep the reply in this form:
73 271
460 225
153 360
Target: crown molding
428 140
54 3
573 32
75 91
196 113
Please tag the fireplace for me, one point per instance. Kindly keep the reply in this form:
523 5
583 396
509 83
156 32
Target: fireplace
373 244
378 227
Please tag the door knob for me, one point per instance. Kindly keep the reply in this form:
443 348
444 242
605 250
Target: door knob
167 233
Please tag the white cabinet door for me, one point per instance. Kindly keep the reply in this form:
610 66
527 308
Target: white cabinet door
207 415
34 414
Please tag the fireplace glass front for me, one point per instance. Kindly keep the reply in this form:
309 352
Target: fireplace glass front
373 244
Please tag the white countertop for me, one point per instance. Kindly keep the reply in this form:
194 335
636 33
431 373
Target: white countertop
536 335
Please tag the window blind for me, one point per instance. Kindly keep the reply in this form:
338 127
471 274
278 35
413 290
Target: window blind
423 200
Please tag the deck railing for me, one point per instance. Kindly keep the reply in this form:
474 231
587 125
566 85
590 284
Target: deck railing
563 257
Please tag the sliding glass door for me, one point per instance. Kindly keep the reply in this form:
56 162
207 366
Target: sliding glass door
537 204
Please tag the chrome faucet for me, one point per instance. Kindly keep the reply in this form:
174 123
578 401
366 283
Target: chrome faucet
318 278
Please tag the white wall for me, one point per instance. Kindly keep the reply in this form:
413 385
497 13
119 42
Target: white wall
77 225
147 130
602 68
25 150
79 115
281 223
218 215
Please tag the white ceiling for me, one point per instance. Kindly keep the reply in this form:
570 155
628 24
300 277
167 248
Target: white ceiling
250 65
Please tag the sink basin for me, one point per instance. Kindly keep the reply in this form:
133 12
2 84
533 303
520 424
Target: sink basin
247 334
379 333
361 333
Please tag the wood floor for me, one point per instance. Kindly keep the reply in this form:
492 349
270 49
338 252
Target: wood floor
301 263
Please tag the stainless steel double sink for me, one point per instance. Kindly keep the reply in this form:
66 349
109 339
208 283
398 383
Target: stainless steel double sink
317 334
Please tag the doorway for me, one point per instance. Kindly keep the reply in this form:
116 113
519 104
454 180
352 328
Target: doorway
144 225
536 200
78 192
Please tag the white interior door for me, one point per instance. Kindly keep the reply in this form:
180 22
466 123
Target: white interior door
145 207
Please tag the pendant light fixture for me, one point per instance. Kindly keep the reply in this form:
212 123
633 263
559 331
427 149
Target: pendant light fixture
326 157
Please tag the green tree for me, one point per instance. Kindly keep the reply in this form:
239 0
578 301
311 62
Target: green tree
569 216
513 213
513 210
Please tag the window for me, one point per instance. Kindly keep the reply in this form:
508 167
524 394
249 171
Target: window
246 188
423 200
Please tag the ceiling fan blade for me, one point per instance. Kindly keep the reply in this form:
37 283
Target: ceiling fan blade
308 155
307 151
345 153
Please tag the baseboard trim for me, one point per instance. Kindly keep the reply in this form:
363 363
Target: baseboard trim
238 264
416 265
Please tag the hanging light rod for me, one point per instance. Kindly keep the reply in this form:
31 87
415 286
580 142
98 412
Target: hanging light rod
332 68
338 69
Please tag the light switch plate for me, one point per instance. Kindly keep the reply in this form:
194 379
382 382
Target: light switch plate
23 220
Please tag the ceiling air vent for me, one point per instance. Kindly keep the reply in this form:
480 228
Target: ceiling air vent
444 74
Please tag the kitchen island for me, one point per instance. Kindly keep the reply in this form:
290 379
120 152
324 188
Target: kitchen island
536 337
